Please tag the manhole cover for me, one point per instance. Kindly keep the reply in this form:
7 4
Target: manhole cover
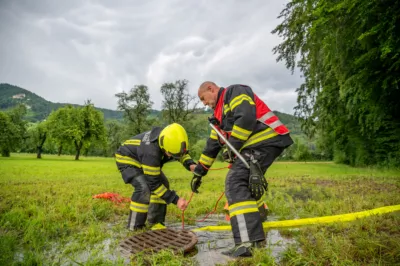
154 241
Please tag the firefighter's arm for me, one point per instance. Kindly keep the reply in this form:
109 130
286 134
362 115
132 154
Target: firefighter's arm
187 162
152 170
209 154
241 103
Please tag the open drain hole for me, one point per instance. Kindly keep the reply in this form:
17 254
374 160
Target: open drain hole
157 240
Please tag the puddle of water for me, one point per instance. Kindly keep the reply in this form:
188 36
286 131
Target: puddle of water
106 250
19 257
208 248
210 244
277 243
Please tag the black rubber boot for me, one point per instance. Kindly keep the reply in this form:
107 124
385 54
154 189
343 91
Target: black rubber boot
138 228
242 250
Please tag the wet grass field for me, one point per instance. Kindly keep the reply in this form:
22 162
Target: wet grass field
48 216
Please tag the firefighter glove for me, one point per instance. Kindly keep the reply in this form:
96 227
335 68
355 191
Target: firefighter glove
227 155
195 184
257 182
200 170
213 121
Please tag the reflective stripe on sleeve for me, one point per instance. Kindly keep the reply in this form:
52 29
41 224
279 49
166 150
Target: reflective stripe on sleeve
213 135
204 159
239 99
157 199
226 108
185 158
160 191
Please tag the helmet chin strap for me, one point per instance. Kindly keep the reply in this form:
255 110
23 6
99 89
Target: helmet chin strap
169 154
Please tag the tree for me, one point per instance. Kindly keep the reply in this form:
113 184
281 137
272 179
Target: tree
12 130
197 148
38 134
301 152
178 105
7 136
115 134
136 106
349 54
59 122
197 128
88 127
77 126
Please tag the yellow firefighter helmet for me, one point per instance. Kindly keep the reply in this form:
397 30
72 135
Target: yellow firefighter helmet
174 140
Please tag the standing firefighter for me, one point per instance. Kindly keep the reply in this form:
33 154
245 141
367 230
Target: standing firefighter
256 132
140 160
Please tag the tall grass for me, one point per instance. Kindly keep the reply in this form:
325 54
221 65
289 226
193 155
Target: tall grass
48 216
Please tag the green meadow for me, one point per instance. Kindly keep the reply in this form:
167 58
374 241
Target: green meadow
48 215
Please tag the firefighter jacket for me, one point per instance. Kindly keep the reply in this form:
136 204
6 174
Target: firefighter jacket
246 121
143 151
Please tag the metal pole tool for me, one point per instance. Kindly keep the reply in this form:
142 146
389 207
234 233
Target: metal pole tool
230 146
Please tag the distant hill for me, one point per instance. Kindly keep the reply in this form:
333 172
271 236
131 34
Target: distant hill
39 108
291 122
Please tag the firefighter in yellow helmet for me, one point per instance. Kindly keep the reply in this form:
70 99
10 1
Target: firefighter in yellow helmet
140 160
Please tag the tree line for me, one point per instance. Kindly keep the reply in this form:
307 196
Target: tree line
82 129
349 54
77 130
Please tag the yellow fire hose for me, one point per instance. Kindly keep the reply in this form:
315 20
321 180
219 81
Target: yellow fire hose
310 221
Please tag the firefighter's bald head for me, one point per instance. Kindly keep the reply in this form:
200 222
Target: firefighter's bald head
208 93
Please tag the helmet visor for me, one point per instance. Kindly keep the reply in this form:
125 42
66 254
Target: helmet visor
182 152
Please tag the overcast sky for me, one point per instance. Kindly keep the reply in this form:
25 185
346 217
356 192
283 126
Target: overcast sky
70 51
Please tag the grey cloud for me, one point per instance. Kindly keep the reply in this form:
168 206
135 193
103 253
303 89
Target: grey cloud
70 51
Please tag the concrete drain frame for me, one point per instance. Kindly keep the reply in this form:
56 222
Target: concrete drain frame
179 241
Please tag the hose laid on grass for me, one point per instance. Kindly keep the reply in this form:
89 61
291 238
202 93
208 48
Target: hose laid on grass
205 217
311 221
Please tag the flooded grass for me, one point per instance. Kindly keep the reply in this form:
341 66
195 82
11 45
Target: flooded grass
48 216
211 243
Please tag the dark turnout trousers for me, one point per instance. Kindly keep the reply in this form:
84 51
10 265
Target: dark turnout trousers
144 204
247 214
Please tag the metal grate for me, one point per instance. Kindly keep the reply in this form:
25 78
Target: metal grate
154 241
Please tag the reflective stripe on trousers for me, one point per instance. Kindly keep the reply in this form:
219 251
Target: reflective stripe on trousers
245 218
145 205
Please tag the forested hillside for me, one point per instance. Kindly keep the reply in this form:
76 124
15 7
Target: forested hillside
38 107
